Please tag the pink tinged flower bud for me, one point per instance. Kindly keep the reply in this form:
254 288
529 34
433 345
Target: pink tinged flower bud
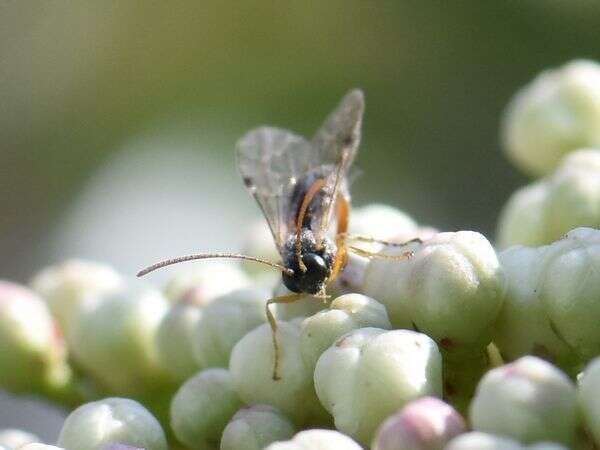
424 424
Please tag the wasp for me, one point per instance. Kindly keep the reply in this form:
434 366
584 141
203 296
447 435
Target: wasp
302 189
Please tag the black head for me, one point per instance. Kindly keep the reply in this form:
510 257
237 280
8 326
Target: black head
318 265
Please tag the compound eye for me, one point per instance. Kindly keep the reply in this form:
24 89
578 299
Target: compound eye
292 282
315 265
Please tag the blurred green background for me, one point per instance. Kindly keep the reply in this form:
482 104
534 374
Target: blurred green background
118 119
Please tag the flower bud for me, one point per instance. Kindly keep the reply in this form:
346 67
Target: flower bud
305 306
570 291
114 339
112 420
588 399
529 400
351 279
206 281
31 343
450 280
13 439
423 424
64 286
573 194
523 327
255 427
224 322
369 373
380 222
522 218
251 365
555 114
174 340
482 441
258 241
424 233
316 439
544 211
346 313
202 407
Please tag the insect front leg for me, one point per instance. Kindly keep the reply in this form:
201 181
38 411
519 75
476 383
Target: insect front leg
368 254
352 237
289 298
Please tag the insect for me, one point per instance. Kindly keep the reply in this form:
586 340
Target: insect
302 189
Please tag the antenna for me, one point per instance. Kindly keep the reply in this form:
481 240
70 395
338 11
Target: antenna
169 262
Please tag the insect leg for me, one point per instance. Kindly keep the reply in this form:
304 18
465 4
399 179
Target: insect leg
352 237
289 298
343 214
367 254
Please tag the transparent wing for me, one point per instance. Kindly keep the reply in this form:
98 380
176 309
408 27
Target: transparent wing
336 144
271 162
279 167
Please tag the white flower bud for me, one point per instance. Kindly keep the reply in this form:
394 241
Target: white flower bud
573 194
424 233
206 281
202 407
369 373
13 439
482 441
451 279
589 401
258 241
423 424
544 211
522 219
570 290
346 313
305 306
65 285
557 113
255 427
113 420
317 440
224 322
523 327
114 339
380 222
529 400
251 365
174 340
32 345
